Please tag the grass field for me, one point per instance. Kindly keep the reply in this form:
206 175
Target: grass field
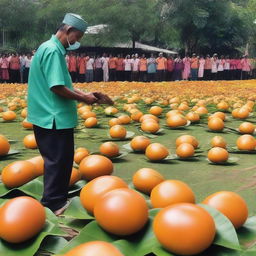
204 178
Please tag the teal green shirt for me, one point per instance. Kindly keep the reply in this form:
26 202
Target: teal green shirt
48 69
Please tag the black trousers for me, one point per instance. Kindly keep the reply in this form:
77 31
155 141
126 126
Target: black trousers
151 77
57 150
207 74
25 75
127 75
160 75
143 76
14 75
112 74
73 76
98 74
120 75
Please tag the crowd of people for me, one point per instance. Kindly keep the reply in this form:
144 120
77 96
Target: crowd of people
14 68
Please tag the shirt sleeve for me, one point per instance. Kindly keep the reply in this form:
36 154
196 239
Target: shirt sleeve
53 69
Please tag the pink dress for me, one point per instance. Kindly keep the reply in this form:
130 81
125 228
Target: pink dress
187 69
201 68
4 67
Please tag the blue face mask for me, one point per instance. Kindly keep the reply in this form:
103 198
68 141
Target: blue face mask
72 47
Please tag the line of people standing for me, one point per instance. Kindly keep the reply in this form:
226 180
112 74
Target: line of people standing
14 68
85 68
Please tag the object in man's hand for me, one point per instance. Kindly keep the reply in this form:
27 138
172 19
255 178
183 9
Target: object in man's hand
103 98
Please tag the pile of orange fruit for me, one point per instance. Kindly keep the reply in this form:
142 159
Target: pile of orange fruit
181 226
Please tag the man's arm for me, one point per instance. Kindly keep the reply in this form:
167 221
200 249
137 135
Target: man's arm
74 95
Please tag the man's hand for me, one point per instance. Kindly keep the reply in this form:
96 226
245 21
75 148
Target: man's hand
103 98
89 98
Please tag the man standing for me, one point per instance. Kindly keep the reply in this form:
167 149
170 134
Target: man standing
52 109
161 67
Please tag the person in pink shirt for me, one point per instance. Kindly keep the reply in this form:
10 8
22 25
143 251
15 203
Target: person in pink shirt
238 69
143 67
233 68
187 70
120 68
201 67
14 68
72 66
227 68
207 68
4 64
170 68
246 67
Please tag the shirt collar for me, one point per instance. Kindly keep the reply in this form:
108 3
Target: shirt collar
59 44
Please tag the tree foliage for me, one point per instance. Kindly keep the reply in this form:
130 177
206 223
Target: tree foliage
185 25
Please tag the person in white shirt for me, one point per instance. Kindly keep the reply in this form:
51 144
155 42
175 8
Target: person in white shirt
135 67
221 63
214 62
27 63
227 68
89 69
104 61
127 68
22 68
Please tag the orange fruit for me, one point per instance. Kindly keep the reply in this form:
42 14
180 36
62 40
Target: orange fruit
94 166
111 110
156 111
216 124
146 179
185 150
21 219
148 116
176 120
231 205
246 142
235 113
173 112
38 162
30 141
18 173
184 229
114 121
156 152
218 141
90 122
243 113
27 125
80 155
247 128
202 110
87 114
75 177
109 149
139 143
218 155
223 105
97 187
94 248
136 116
187 139
124 119
171 192
4 146
193 117
121 212
24 113
220 115
117 131
9 115
150 126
